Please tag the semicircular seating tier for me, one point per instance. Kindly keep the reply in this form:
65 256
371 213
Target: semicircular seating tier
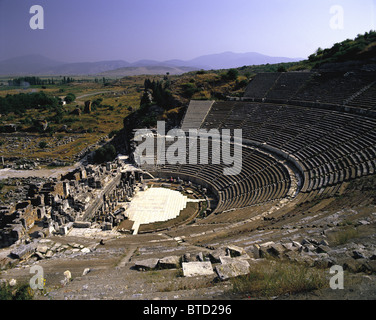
263 178
328 146
324 124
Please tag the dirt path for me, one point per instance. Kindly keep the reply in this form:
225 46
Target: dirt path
43 173
128 256
92 94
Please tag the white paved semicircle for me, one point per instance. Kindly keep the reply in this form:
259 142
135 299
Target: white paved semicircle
155 204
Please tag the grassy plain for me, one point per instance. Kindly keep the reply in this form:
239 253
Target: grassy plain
119 98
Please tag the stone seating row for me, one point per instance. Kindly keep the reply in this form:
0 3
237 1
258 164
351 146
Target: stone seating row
331 146
261 179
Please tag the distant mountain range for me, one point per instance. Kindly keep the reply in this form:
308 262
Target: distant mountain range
228 60
149 70
40 65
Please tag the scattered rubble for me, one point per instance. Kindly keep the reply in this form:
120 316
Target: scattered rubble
87 195
232 261
23 252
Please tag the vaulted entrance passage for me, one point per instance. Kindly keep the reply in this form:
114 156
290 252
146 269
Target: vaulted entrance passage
154 205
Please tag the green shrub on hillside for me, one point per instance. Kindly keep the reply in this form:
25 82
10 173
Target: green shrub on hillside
21 102
20 292
105 153
362 47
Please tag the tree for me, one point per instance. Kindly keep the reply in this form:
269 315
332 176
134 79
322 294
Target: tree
247 74
105 153
319 51
189 89
21 102
58 117
147 84
232 74
146 98
70 98
42 144
96 103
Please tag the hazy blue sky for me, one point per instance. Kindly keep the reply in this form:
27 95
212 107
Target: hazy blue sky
93 30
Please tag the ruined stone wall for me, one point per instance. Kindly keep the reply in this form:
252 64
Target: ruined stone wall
98 202
59 189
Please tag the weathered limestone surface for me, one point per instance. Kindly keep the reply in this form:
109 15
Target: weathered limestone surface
200 268
231 267
147 264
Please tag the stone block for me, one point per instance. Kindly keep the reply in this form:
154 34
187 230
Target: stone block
147 264
81 224
322 249
235 251
86 271
215 255
85 250
23 251
42 249
232 268
187 257
200 256
194 269
254 251
276 250
64 230
170 262
39 255
49 254
228 259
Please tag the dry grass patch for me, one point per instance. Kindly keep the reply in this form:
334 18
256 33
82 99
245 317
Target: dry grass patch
187 284
344 235
271 278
